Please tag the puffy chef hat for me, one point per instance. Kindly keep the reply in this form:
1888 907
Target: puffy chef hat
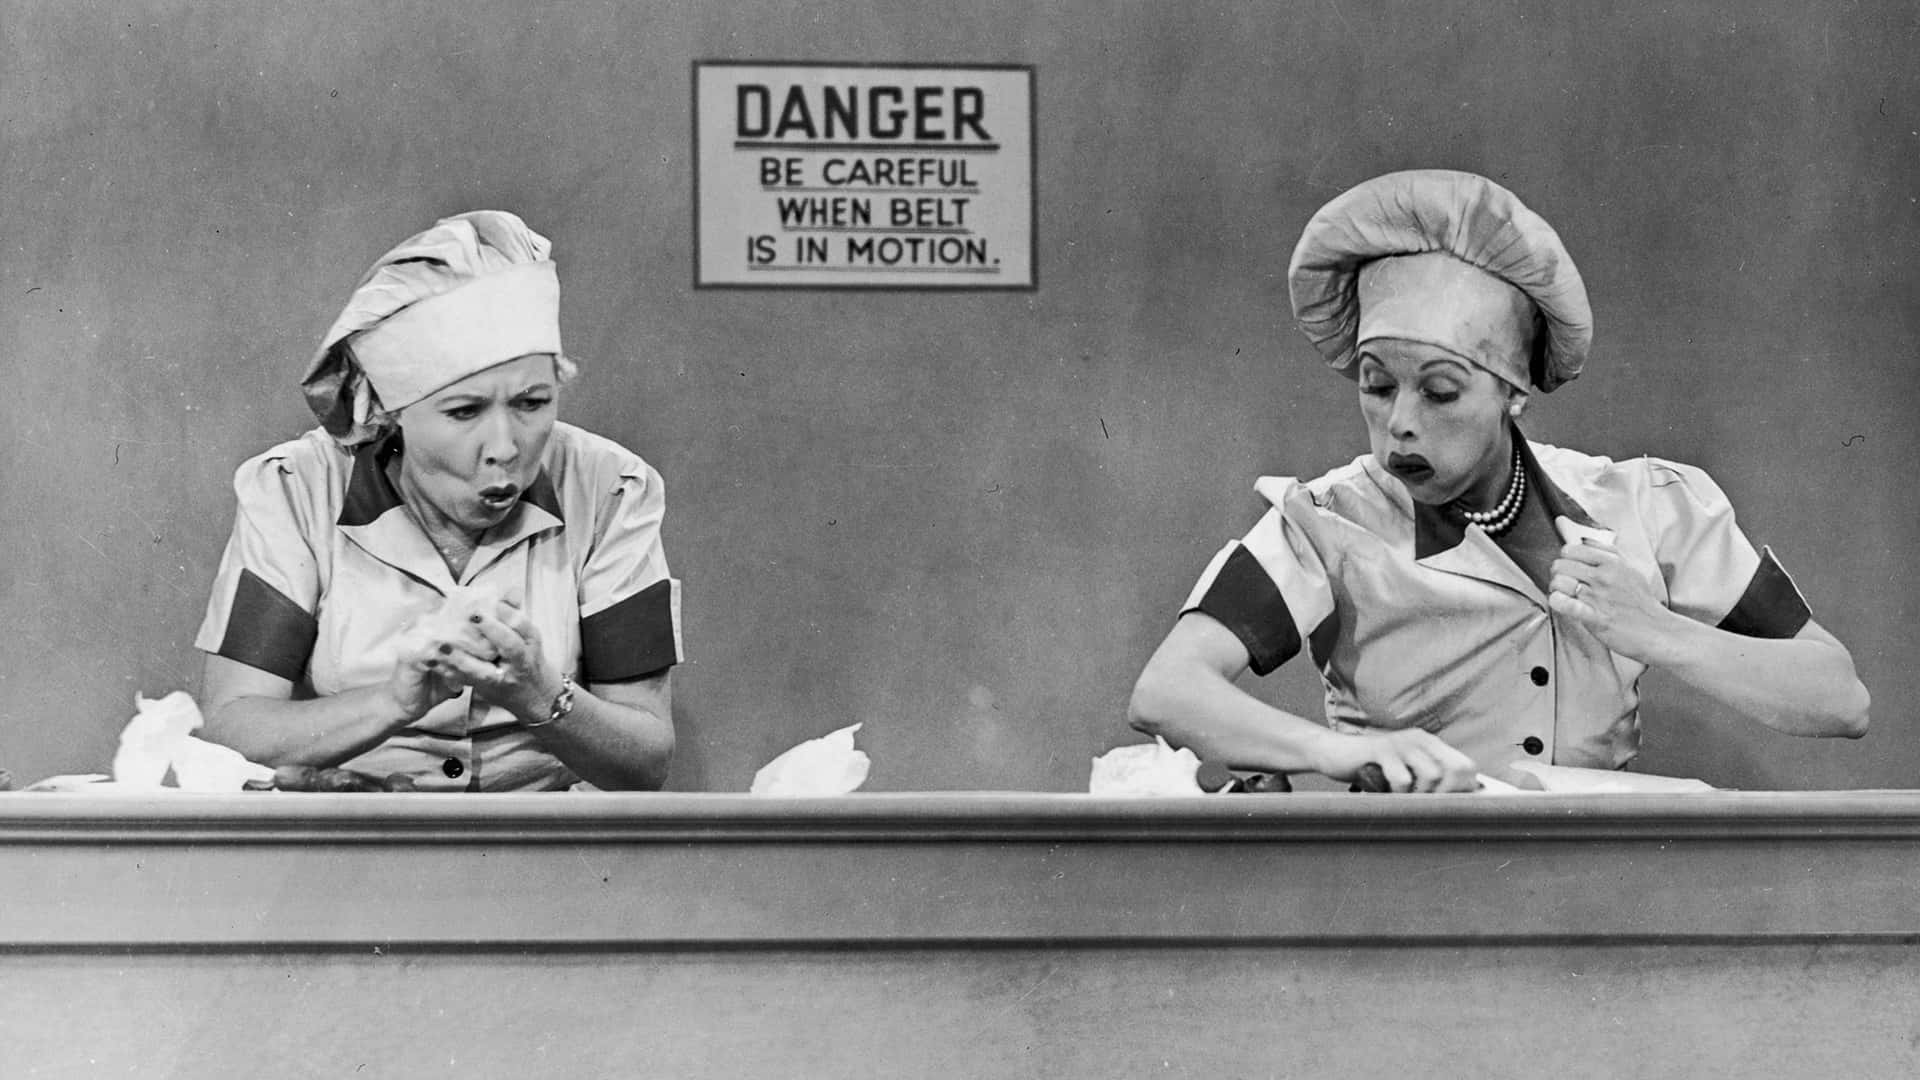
1448 259
475 290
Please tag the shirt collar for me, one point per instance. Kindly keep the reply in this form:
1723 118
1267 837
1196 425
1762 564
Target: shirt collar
367 517
370 494
1559 504
1436 531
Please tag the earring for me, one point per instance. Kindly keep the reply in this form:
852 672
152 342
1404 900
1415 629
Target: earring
1513 410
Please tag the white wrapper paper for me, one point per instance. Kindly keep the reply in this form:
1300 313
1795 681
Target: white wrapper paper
451 623
1145 769
1589 781
150 739
159 739
828 765
199 765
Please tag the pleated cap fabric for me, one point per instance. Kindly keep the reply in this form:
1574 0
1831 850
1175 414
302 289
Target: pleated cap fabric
475 290
1497 251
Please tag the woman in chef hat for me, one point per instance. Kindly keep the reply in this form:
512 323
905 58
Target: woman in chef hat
443 580
1473 599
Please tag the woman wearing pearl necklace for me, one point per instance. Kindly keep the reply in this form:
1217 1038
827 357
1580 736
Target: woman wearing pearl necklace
1473 599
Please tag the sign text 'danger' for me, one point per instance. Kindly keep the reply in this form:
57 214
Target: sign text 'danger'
881 113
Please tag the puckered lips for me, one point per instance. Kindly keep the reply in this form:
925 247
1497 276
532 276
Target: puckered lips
1411 468
499 498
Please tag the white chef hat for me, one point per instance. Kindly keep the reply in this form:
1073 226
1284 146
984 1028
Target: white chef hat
475 290
1449 259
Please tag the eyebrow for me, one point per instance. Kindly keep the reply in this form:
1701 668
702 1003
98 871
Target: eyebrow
1445 360
469 397
1380 365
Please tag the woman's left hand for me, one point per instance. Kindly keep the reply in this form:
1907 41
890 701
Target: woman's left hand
518 677
1594 586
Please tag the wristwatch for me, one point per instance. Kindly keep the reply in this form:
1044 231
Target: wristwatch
562 704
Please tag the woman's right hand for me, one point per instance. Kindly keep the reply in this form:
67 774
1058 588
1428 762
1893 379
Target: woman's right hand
419 682
1412 759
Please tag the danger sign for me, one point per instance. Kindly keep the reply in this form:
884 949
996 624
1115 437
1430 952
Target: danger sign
863 176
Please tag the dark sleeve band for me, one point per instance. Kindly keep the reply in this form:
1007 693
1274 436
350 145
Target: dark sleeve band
1771 607
267 630
631 639
1246 601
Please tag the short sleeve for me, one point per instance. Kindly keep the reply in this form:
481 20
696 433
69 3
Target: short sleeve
1713 574
629 602
266 592
1269 587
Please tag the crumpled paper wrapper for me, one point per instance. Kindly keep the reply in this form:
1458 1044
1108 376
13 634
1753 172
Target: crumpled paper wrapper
199 765
148 742
1592 781
451 623
159 738
828 765
1145 769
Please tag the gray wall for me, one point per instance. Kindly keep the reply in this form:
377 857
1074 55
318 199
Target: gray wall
962 519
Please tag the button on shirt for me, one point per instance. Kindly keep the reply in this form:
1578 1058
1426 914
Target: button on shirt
325 570
1415 620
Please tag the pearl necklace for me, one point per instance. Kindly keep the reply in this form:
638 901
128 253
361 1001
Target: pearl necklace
1501 518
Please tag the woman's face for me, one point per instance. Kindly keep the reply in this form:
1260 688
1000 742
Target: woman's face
475 446
1434 421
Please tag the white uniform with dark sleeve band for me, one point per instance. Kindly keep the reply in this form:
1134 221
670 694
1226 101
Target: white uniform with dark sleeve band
1414 622
325 570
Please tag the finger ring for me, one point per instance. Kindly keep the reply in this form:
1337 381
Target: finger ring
1578 588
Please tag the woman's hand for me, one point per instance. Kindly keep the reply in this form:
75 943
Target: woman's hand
419 681
516 676
1412 759
1594 586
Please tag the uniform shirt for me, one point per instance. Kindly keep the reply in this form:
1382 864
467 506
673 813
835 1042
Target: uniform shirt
326 569
1415 619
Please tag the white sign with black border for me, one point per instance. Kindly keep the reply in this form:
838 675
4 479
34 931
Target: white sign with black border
832 175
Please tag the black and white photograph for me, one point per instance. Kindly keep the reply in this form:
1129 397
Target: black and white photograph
960 539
